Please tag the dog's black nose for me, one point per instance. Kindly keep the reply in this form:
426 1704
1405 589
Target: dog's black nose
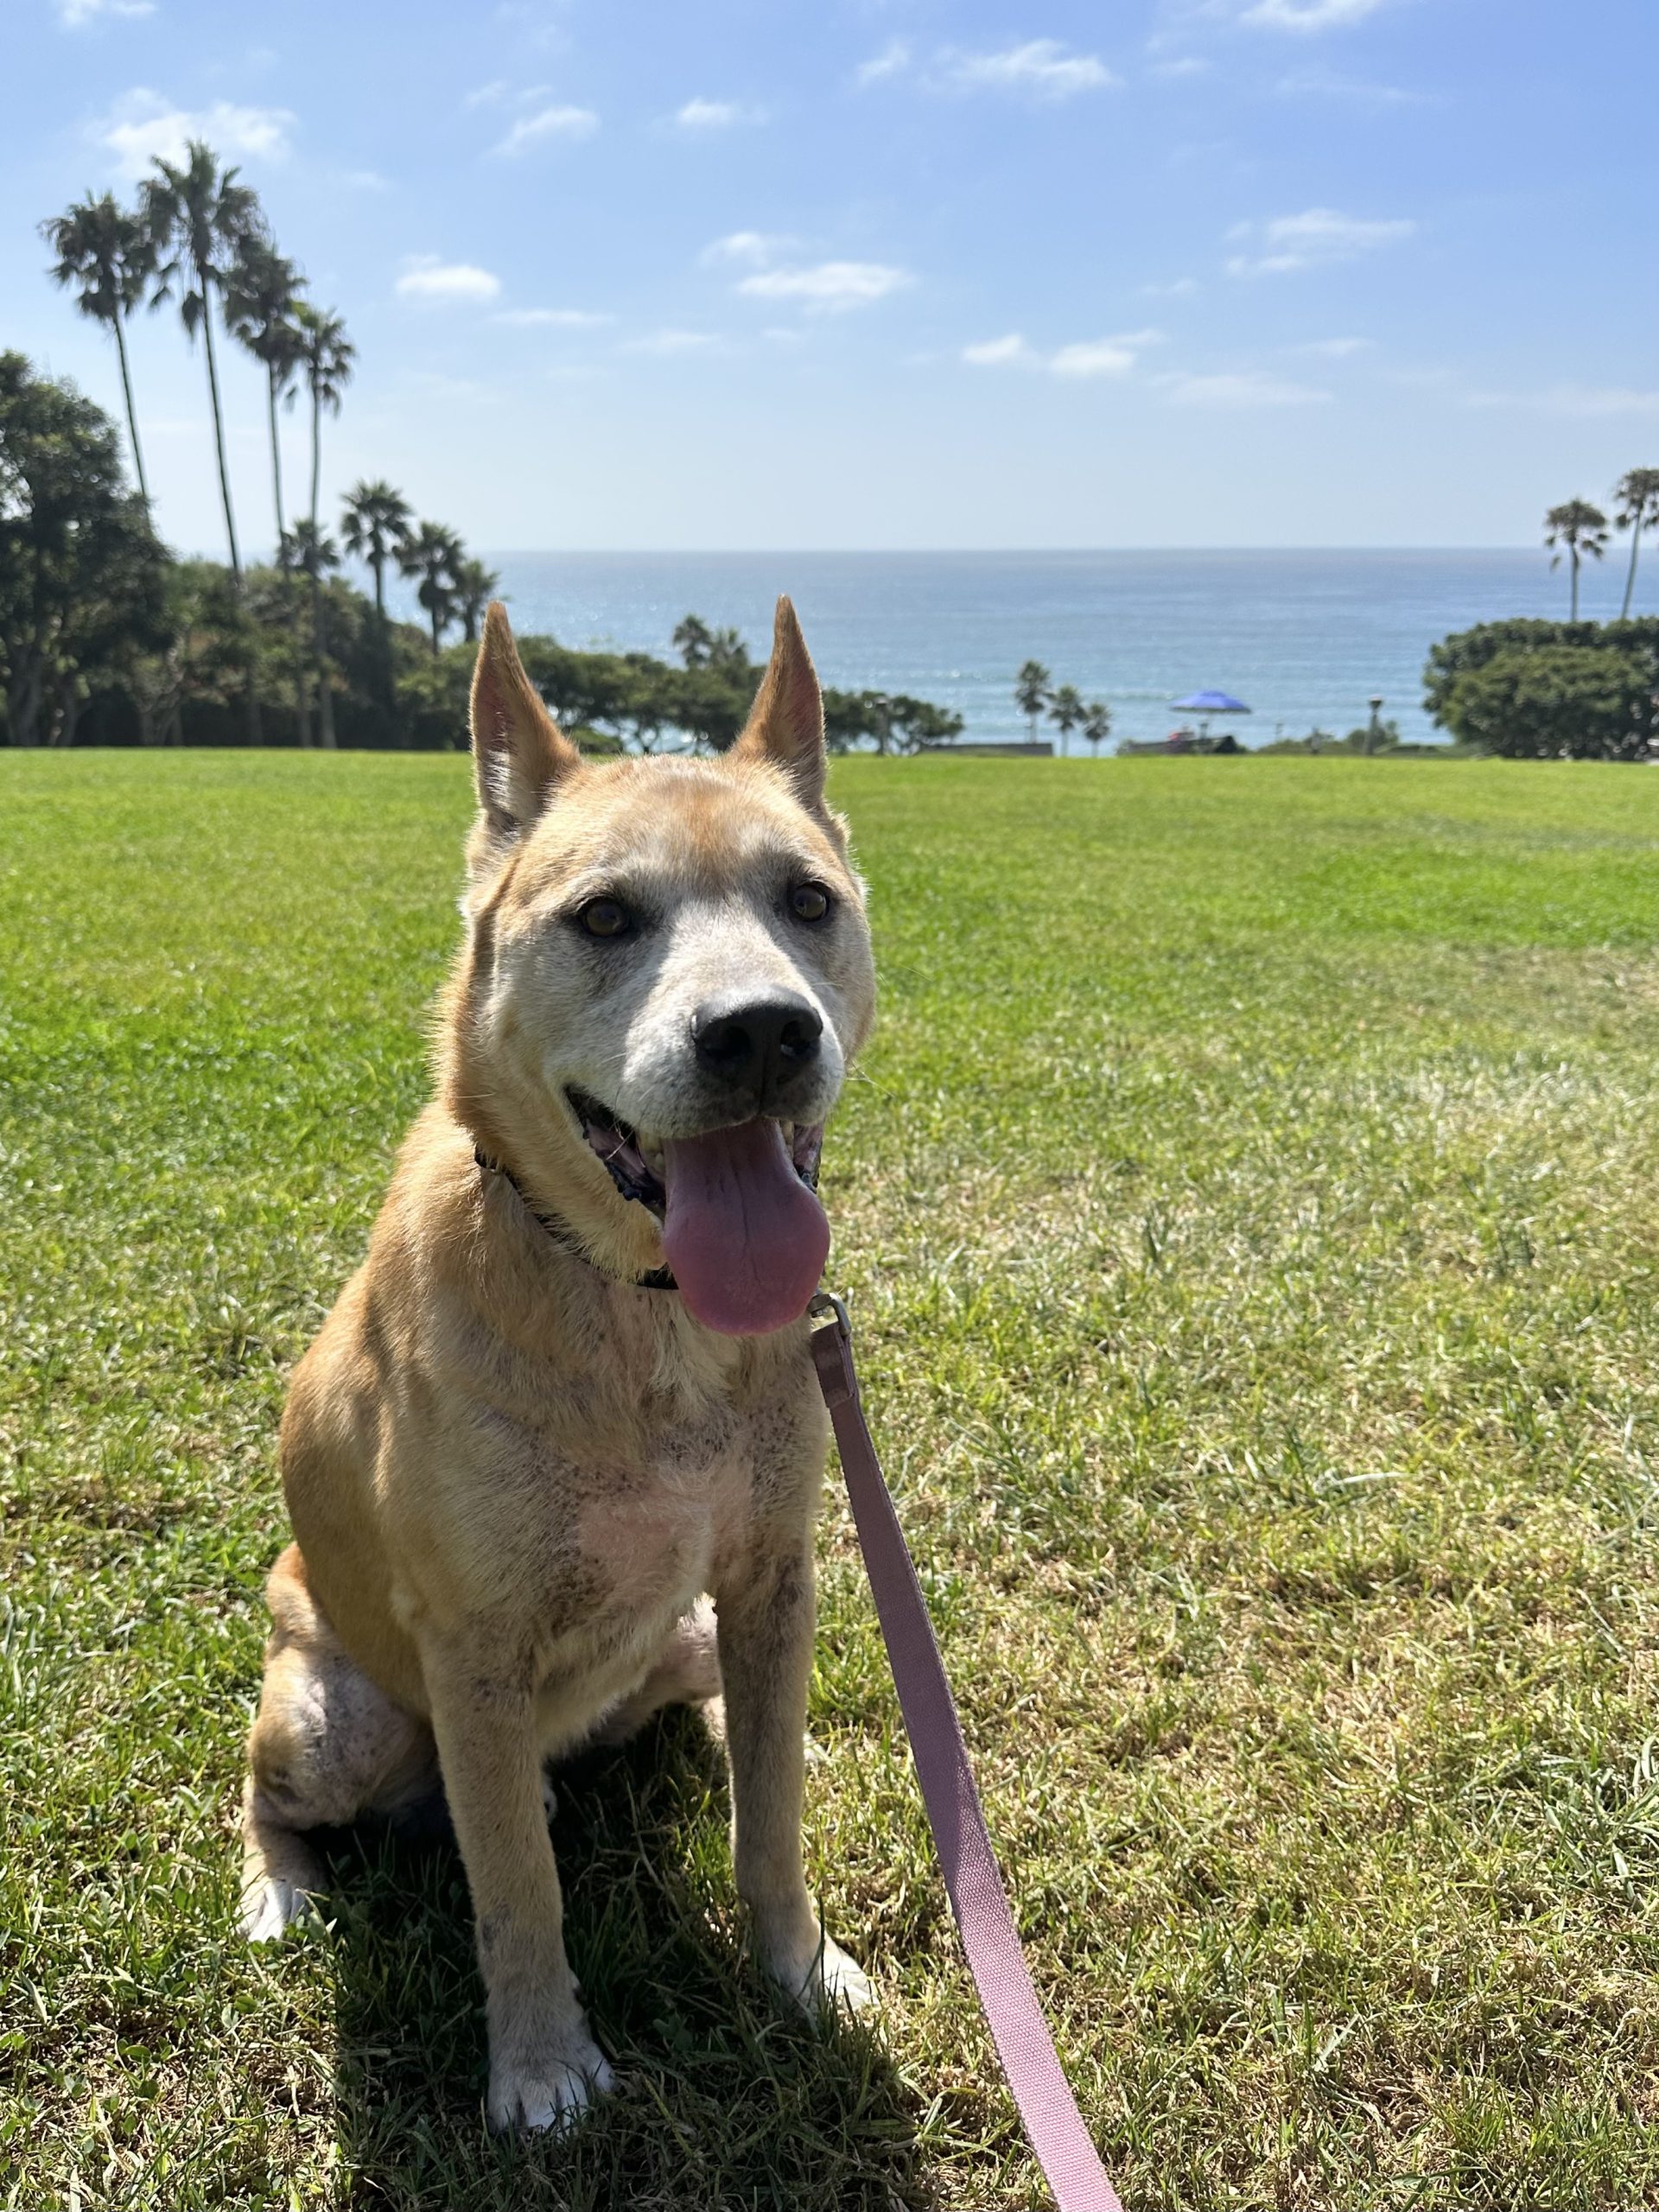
757 1043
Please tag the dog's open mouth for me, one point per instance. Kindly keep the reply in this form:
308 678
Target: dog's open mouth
743 1229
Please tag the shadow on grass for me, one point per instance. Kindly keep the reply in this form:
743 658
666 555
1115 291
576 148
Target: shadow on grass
727 2095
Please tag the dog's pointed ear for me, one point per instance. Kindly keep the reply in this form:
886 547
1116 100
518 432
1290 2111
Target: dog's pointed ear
518 751
785 724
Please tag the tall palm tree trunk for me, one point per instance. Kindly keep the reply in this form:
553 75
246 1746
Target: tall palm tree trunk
1629 574
251 696
296 645
219 423
1575 584
325 690
132 412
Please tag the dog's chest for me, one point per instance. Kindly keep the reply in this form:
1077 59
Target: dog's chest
653 1536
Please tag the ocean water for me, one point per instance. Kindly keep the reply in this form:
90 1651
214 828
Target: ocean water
1304 638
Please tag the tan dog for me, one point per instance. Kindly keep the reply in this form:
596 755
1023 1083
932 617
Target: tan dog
515 1468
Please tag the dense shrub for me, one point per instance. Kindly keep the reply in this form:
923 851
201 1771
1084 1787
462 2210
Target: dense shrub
1549 691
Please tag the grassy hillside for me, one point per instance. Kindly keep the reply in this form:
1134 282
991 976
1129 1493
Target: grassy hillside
1250 1212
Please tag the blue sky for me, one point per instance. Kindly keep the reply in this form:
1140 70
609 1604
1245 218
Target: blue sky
895 273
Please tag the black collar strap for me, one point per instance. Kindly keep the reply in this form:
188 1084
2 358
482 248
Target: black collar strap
659 1278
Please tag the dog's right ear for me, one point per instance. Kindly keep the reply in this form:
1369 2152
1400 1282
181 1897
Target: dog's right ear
518 751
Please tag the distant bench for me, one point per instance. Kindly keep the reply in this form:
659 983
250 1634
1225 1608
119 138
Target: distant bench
1037 749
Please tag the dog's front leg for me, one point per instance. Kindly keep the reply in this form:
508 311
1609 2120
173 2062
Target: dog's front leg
765 1615
544 2063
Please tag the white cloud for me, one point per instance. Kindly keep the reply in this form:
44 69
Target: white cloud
1312 240
750 249
142 127
364 181
1238 388
74 14
1096 357
1335 349
1179 288
547 122
1041 67
700 115
673 341
1307 14
1185 65
828 286
1093 357
893 58
999 352
488 95
551 318
1327 85
1573 399
426 277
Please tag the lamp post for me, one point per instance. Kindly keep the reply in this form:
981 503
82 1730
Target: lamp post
1376 730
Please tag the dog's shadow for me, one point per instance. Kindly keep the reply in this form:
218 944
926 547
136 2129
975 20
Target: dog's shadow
727 2094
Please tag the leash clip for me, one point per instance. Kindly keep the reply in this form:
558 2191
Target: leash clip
826 1306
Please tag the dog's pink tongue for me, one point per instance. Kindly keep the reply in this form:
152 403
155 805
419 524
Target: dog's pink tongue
745 1239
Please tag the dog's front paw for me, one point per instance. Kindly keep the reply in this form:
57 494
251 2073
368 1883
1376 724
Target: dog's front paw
550 2090
825 1976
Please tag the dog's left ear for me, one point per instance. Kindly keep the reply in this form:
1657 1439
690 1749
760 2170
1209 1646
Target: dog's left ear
785 724
518 751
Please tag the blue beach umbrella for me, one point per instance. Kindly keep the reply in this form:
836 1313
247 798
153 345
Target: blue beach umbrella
1205 703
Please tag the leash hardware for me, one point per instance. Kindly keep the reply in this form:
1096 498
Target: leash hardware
826 1306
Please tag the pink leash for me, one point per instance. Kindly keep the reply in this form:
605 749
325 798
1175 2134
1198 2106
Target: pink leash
1052 2122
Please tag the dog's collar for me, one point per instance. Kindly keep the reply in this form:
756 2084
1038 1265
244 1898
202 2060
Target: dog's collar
659 1278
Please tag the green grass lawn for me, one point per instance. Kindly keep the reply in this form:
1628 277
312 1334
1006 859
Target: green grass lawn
1250 1212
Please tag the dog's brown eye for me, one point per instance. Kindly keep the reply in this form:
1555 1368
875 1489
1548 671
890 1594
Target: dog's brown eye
604 918
808 902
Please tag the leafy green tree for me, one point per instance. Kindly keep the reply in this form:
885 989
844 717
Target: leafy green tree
1581 531
434 555
692 640
1031 692
1637 494
1561 703
82 576
1065 711
109 256
475 586
1096 724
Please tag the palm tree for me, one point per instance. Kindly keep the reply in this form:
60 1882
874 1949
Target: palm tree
1065 711
316 554
1096 724
1638 494
1031 692
374 526
434 555
108 255
475 589
199 216
261 289
1582 529
326 355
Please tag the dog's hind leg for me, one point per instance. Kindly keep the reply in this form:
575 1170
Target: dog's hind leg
326 1744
